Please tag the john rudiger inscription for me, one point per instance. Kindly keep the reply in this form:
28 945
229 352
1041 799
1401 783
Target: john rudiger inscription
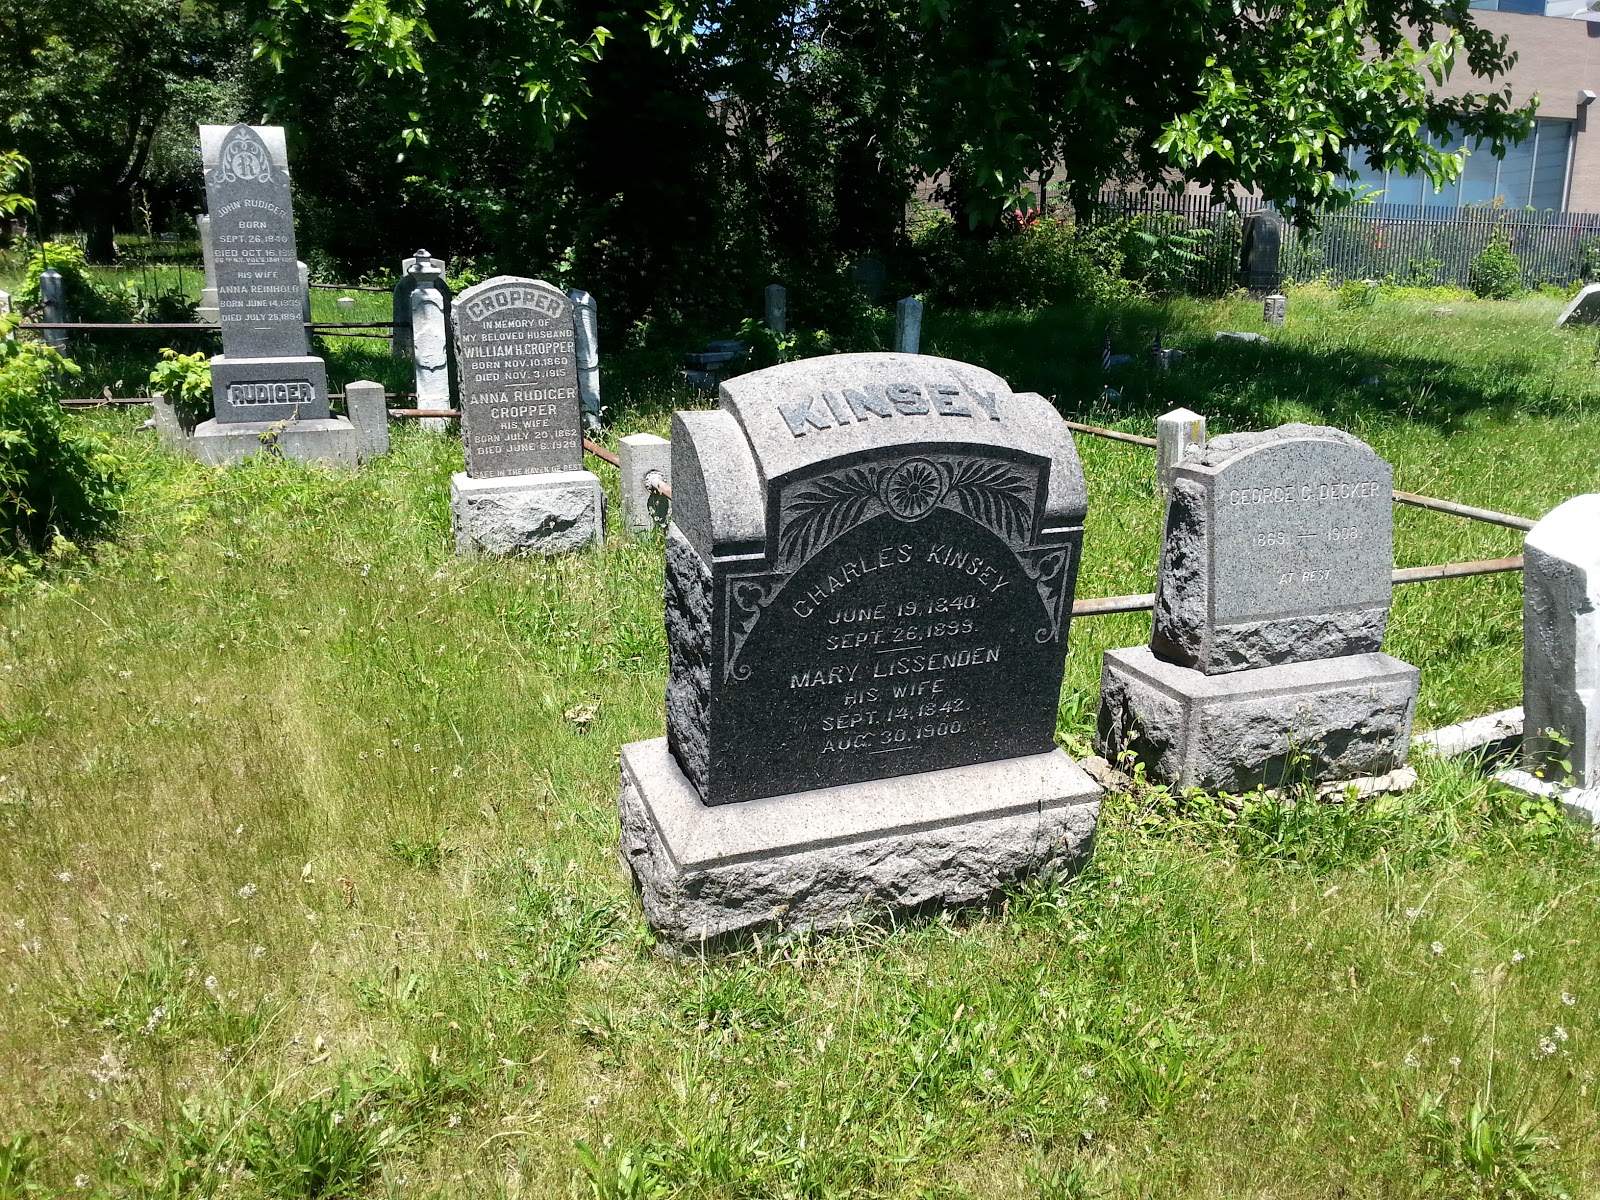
517 357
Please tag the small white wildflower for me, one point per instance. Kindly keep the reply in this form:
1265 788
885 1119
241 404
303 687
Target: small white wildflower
1086 1071
455 1121
124 674
483 956
1546 1047
1455 1062
1437 948
416 747
338 1118
156 868
1568 999
80 1182
237 830
1559 1034
64 877
1517 956
1413 1061
258 951
211 983
456 774
1413 913
247 891
1425 1040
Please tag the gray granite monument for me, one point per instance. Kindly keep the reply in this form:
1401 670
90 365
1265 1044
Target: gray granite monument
870 571
908 326
1561 658
265 379
524 488
1271 604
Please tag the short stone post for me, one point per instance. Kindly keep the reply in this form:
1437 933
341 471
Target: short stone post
305 293
347 305
369 413
53 292
1179 433
430 338
1275 309
209 311
1561 649
777 299
646 459
908 326
586 331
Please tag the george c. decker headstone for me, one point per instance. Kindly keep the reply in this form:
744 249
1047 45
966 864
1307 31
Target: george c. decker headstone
265 372
870 571
524 487
1273 595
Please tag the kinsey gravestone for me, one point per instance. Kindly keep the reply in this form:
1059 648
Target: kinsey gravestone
1271 603
1561 658
524 487
870 571
264 372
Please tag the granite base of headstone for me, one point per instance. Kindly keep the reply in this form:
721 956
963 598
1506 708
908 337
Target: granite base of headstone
524 490
269 394
869 577
1265 661
1561 659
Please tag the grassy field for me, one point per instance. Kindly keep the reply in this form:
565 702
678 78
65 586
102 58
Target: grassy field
308 884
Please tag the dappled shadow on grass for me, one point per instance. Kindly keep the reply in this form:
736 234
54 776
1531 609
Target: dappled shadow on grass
1400 360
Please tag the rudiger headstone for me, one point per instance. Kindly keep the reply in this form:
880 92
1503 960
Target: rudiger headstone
1271 604
524 488
870 572
1561 658
1584 308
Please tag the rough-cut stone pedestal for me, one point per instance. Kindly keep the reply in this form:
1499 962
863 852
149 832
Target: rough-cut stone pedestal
332 440
550 513
1350 717
711 876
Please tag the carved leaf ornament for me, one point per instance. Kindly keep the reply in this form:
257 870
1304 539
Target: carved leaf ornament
994 494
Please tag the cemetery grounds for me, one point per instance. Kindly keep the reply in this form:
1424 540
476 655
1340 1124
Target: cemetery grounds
310 886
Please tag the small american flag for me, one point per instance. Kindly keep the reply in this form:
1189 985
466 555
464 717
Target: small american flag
1105 351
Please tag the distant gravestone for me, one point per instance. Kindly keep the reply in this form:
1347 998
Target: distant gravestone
1261 252
1275 309
1271 605
53 299
908 326
867 276
870 571
586 323
208 310
524 487
776 299
1584 309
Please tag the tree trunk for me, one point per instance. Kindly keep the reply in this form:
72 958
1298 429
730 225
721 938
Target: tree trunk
100 245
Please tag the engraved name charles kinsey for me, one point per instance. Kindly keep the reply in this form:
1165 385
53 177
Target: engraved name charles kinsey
884 676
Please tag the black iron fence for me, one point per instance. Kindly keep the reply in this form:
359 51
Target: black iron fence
1415 244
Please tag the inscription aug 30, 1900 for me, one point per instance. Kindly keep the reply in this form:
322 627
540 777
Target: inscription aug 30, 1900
900 602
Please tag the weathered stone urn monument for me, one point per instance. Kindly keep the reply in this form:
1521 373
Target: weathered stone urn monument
869 581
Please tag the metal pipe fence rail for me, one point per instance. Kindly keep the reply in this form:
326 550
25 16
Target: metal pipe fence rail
351 287
171 326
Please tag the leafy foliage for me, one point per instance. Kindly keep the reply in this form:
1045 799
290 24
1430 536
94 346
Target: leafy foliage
1496 274
56 480
185 380
86 300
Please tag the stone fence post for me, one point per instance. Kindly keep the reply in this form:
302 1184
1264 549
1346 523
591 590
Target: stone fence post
53 292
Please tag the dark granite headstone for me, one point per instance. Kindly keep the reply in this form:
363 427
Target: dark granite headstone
1278 549
868 276
517 360
1260 256
264 372
870 573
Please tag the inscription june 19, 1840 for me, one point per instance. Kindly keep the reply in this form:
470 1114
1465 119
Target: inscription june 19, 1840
517 357
909 611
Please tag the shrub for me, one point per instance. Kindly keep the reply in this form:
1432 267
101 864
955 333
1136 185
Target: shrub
1042 261
185 380
86 300
56 480
1496 274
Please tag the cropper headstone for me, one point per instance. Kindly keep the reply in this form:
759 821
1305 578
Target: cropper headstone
524 488
869 581
1271 603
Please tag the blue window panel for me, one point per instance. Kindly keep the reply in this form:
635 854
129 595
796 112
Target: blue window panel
1549 188
1407 189
1478 180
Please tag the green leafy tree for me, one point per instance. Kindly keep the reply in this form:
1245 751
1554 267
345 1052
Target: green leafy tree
103 95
